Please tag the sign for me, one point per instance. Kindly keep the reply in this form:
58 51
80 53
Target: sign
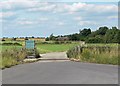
30 44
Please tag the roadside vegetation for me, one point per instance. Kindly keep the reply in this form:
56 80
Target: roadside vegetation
95 53
12 53
11 56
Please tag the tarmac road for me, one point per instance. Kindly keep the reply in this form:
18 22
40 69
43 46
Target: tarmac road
52 70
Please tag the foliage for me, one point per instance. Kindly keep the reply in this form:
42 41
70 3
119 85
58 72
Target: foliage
47 39
95 40
102 35
85 32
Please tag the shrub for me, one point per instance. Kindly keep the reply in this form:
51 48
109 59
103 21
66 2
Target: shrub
94 40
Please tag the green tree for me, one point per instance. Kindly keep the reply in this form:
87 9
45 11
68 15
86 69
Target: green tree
47 39
94 40
85 32
52 37
112 35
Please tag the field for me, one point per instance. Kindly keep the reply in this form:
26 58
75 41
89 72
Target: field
46 48
14 54
96 53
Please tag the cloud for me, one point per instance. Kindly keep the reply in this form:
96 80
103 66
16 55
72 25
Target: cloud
112 17
86 23
43 19
44 7
77 7
105 8
78 18
37 6
33 13
6 14
60 23
17 4
25 22
28 21
74 7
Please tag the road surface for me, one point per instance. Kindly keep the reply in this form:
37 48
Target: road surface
52 70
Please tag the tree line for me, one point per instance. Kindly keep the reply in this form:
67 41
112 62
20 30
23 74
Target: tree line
102 35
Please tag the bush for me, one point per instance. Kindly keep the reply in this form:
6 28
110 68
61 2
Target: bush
62 42
94 40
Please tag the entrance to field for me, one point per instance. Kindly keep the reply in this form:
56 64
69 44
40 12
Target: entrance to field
55 56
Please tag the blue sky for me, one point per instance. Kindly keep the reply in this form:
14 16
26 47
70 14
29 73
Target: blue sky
40 19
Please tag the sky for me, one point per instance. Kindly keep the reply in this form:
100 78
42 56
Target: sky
21 18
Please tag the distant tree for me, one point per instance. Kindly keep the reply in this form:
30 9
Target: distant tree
26 38
3 39
112 35
85 32
102 30
74 37
47 39
13 39
118 37
102 35
33 37
52 37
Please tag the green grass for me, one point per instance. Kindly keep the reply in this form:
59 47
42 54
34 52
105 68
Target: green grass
47 48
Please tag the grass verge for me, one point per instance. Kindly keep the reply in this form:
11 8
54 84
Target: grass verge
13 55
102 54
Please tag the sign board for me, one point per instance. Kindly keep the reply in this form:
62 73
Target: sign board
30 44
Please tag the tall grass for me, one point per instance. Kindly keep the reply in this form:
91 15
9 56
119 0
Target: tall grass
10 57
13 55
103 54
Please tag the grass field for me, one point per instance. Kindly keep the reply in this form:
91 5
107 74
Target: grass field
46 48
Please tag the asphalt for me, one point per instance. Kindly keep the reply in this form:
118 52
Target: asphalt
56 71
